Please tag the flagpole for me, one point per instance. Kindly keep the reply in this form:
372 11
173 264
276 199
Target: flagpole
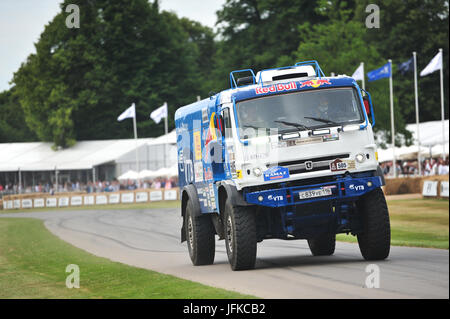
442 103
135 139
363 81
417 113
166 132
394 162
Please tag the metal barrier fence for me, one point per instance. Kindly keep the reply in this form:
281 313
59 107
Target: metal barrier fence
43 200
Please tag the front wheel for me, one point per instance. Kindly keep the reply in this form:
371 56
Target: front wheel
240 236
200 237
375 239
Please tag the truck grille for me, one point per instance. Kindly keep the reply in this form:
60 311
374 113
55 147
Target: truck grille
311 165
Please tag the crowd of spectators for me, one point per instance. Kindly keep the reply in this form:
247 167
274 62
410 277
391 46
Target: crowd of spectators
90 187
429 167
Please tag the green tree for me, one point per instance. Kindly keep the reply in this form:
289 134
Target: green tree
407 26
12 123
203 49
80 80
339 45
257 33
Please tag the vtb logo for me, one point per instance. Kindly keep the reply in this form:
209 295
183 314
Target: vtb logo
275 198
356 187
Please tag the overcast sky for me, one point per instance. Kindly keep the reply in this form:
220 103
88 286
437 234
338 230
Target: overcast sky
22 21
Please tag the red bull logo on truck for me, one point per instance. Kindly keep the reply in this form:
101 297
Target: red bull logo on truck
291 86
314 83
276 88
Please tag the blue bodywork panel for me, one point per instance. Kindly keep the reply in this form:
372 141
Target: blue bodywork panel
196 143
343 189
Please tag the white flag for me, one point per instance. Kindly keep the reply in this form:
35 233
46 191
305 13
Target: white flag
434 65
159 113
128 113
359 73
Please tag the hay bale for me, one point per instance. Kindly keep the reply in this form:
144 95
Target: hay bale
409 185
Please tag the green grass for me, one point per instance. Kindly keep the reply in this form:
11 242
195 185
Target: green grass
150 205
417 223
33 263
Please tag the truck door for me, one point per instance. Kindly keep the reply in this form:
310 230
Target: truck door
227 141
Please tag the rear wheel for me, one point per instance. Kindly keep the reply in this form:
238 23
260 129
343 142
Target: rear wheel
322 245
240 236
200 237
375 239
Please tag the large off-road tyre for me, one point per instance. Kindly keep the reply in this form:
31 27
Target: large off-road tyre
322 245
240 236
200 236
375 239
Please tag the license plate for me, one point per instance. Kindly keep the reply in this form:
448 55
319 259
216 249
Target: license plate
315 193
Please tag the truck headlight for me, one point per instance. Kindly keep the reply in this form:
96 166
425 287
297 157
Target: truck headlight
351 127
257 171
360 158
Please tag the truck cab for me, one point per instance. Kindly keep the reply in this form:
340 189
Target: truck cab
287 153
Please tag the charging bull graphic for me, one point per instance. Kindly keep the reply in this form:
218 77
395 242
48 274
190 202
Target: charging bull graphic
314 83
214 129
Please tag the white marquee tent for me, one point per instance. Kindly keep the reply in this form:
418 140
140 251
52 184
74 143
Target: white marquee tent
148 174
86 160
430 140
132 175
39 156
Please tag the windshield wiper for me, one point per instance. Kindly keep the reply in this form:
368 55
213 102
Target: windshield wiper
297 125
318 119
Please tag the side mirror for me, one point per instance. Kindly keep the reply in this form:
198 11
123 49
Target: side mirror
366 105
220 124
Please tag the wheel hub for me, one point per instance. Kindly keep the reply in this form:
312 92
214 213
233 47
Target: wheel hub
230 234
190 232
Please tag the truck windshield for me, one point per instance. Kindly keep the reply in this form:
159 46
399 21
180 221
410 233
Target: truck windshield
300 111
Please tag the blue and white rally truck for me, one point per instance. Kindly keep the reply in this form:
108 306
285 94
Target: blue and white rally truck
287 153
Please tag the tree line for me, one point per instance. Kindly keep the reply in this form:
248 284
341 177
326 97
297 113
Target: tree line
80 79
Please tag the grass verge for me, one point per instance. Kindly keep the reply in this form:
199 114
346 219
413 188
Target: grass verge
33 263
417 223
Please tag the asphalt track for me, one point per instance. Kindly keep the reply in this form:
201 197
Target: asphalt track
284 269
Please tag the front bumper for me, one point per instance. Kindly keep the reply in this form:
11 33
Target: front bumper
346 188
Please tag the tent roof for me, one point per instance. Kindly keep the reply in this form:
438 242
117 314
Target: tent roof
133 175
430 140
39 156
430 132
169 138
